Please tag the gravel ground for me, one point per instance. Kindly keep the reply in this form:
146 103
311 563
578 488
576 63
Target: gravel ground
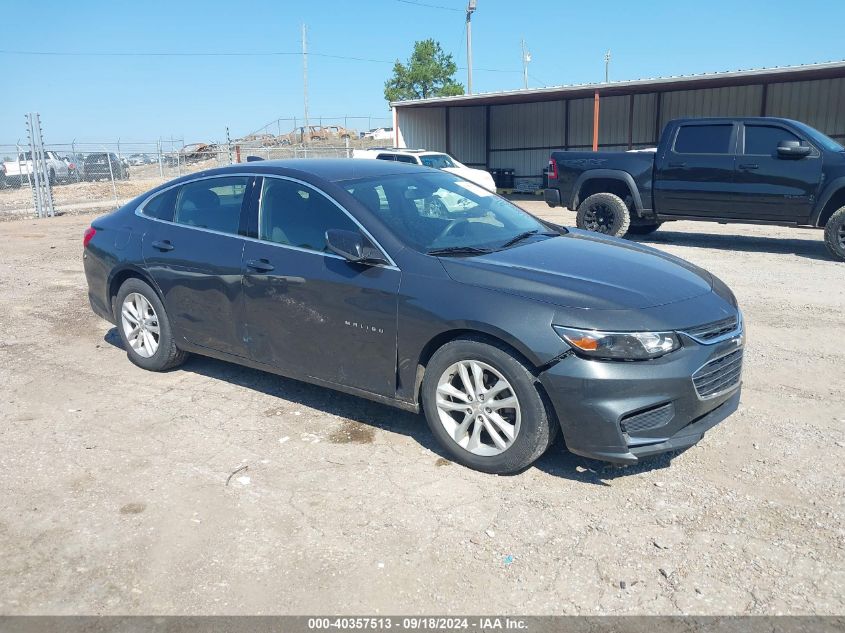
117 497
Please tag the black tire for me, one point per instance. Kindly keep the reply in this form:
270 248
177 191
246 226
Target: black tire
52 177
643 229
604 213
537 428
834 235
167 356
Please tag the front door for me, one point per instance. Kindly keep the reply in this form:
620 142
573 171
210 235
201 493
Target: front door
307 311
770 187
193 250
695 177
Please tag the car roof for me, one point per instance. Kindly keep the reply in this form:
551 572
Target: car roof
406 152
331 169
734 119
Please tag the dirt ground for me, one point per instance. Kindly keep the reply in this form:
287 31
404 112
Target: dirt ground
117 497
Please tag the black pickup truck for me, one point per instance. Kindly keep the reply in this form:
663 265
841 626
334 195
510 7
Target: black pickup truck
758 170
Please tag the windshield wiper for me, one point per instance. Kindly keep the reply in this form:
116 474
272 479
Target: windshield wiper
458 250
526 235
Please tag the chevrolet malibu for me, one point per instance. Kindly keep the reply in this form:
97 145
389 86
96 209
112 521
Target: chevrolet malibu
421 290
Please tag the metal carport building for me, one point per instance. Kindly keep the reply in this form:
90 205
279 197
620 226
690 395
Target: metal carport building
518 129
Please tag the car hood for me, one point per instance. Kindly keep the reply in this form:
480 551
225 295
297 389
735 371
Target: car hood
585 270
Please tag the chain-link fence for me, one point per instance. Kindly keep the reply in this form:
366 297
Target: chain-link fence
86 176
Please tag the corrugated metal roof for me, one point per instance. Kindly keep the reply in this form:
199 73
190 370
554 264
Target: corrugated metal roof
680 82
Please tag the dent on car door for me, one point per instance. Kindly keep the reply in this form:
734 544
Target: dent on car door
696 174
309 312
192 248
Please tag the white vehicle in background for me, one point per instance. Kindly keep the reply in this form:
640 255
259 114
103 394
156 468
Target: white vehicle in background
379 134
19 171
437 160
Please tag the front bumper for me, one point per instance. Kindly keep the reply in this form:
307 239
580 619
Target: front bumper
623 411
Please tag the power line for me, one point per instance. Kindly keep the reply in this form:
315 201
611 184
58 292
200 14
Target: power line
144 54
218 54
430 6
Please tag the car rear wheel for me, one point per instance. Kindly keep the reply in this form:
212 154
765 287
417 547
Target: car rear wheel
483 406
145 329
834 234
604 213
643 229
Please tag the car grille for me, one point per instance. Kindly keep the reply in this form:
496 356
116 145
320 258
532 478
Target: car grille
710 331
719 375
650 419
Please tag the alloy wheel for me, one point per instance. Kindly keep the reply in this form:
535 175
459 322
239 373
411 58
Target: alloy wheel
478 408
140 324
600 218
842 237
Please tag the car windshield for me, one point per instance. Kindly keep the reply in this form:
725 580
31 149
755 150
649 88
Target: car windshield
817 137
438 161
436 211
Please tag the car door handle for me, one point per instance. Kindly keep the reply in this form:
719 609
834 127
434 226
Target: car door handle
677 164
750 166
163 245
261 265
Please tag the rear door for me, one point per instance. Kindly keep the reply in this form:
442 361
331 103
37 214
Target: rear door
308 311
769 187
192 248
696 174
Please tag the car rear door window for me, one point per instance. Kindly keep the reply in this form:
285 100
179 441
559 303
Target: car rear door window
213 203
763 140
386 157
294 214
704 139
402 158
162 205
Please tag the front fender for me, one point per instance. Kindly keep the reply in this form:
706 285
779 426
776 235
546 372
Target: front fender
835 185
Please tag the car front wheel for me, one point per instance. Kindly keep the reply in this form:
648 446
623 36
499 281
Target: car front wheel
483 406
145 329
834 235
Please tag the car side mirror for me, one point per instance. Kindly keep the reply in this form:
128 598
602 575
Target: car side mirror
353 247
793 149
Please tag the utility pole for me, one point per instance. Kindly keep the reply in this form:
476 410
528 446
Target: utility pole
526 57
607 66
471 6
305 79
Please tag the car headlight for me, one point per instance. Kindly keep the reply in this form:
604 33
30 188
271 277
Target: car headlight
619 345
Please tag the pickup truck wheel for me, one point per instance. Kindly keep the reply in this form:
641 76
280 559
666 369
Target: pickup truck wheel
604 213
643 229
834 235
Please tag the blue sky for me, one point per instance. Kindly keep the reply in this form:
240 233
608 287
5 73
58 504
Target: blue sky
144 97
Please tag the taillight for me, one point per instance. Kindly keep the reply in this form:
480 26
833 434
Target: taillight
90 232
552 168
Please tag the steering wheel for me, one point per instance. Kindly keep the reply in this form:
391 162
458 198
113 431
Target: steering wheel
449 229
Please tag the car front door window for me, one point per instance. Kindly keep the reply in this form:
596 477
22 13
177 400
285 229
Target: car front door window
294 214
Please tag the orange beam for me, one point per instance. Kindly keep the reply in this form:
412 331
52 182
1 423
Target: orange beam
596 122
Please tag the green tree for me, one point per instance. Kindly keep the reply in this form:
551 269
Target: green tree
428 73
